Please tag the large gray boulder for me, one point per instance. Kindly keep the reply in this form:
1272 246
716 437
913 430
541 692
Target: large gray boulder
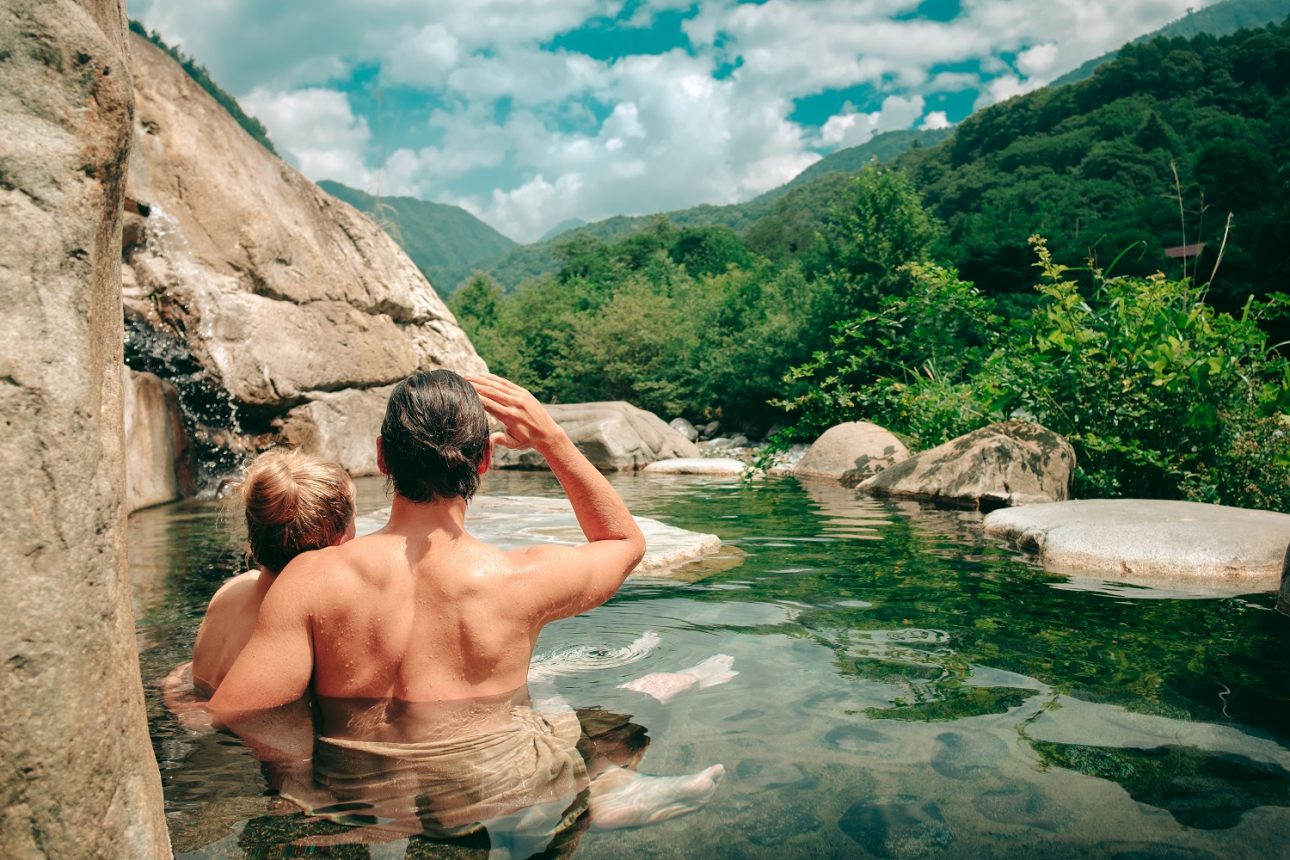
615 436
341 427
853 451
1012 463
157 453
77 772
1210 548
279 294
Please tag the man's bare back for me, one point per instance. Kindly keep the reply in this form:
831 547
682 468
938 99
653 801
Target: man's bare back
421 612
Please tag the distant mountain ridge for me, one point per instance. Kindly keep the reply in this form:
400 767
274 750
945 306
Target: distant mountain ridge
446 242
538 258
1221 19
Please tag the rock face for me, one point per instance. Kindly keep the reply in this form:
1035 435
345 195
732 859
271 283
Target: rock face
77 773
1012 463
268 293
1209 548
852 451
340 426
158 464
615 436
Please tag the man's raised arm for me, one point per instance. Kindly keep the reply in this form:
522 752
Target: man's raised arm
583 577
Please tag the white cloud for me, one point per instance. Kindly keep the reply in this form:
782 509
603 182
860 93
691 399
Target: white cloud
590 138
850 128
934 121
317 132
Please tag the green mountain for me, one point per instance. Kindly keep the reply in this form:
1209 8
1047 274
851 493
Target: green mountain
1221 19
446 242
563 227
1150 154
539 258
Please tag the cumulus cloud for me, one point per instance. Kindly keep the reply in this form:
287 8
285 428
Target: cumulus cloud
850 128
316 130
526 136
935 120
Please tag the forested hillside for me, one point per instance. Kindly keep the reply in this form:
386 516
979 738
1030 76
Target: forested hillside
1221 19
910 295
446 242
1150 153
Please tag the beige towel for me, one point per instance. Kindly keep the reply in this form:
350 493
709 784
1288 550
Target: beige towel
525 783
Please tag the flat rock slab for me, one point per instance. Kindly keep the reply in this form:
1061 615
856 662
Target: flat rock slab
1202 549
511 522
724 467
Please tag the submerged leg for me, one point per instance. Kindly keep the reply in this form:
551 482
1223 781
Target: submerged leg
622 798
666 686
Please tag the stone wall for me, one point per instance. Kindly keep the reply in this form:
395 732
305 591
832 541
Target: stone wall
77 773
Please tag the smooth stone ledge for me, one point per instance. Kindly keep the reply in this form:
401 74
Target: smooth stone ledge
1185 547
511 522
724 467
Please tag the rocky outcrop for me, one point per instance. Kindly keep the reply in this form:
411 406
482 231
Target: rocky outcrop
615 436
158 465
1012 463
1208 549
685 428
853 452
340 426
77 773
269 293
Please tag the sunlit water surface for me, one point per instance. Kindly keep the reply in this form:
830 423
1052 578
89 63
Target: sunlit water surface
905 689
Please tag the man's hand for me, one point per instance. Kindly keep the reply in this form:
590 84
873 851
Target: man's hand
527 424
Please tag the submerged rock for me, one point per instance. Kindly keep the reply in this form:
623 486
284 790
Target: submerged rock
897 827
614 435
724 467
512 522
285 302
1011 463
854 450
1206 549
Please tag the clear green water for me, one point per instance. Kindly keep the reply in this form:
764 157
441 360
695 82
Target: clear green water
906 689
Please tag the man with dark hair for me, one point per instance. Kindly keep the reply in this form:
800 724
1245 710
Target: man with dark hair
416 640
421 611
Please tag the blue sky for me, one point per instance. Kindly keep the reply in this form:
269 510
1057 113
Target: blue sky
531 113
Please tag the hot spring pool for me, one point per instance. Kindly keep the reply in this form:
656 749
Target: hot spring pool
905 689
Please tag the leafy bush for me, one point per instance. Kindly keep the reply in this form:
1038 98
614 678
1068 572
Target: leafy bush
1161 395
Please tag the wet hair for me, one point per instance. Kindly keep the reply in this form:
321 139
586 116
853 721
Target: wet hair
294 502
434 437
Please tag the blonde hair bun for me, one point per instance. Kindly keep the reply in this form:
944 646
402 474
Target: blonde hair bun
294 502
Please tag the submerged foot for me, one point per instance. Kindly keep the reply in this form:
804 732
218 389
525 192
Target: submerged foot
622 798
666 686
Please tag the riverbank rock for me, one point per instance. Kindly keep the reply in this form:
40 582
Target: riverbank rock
158 465
685 428
341 426
77 773
720 467
614 435
1210 548
852 451
256 292
512 522
1012 463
